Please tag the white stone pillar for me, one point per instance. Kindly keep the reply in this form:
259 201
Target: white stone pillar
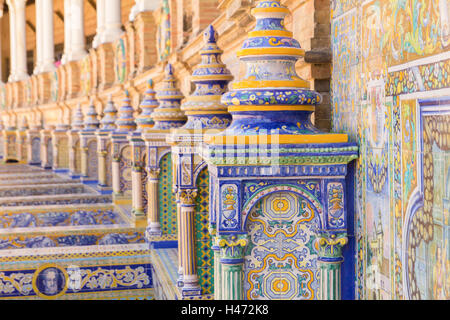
39 37
141 6
113 21
77 37
48 44
21 41
12 37
1 67
67 32
100 23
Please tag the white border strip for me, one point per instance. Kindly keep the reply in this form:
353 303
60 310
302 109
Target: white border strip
436 58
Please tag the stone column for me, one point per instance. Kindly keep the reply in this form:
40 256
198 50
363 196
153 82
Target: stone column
18 45
101 167
179 243
154 227
232 251
67 32
48 46
12 38
141 6
21 71
113 22
137 201
329 261
77 37
217 270
187 235
100 23
39 37
116 175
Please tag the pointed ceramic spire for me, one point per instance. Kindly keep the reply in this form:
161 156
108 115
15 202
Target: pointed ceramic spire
125 120
77 123
272 99
24 124
148 104
168 114
90 121
110 115
211 77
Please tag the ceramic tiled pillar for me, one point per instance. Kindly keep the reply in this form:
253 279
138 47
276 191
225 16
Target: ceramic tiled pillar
34 145
168 115
22 149
205 113
47 147
122 155
60 142
104 147
88 144
75 144
271 170
140 180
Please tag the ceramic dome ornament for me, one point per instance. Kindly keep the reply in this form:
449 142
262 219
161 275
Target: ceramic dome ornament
125 120
78 123
272 100
108 121
211 77
148 104
168 114
91 122
24 124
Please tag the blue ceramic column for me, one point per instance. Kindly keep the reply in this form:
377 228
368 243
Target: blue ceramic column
124 125
205 113
74 143
271 146
88 146
104 147
166 116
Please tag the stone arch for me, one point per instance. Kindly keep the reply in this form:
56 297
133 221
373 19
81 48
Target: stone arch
250 203
281 258
200 169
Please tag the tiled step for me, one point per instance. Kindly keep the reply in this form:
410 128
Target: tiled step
27 175
50 237
47 189
63 199
88 272
39 181
20 168
57 216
